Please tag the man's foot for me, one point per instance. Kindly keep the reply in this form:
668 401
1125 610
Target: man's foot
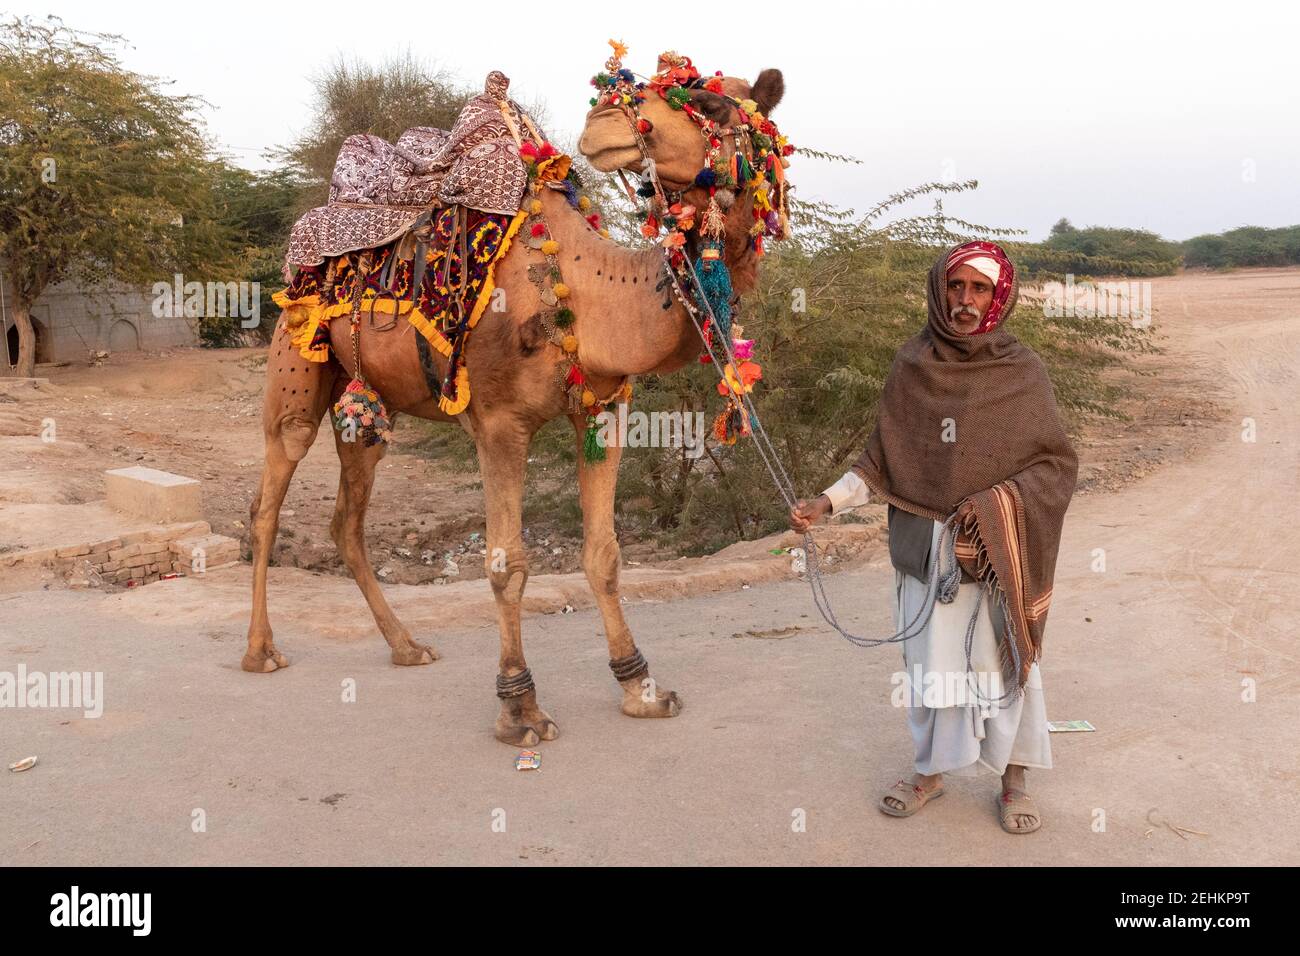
1017 812
906 797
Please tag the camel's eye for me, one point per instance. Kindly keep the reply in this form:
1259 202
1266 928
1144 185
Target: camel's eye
712 105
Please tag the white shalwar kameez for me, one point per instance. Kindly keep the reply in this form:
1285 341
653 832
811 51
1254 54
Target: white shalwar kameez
957 727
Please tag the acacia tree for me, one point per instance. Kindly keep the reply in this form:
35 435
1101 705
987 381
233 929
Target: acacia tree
97 165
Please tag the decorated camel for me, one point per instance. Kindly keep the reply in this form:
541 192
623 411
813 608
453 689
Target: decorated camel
531 305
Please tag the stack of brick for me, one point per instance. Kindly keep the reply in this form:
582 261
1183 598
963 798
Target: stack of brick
178 542
144 561
109 556
141 556
200 553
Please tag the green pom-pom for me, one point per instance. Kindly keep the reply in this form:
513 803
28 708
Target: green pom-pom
564 318
678 97
592 101
592 450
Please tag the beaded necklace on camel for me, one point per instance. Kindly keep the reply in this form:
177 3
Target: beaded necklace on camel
547 168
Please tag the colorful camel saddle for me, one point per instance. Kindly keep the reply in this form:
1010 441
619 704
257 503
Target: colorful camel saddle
437 276
413 231
379 190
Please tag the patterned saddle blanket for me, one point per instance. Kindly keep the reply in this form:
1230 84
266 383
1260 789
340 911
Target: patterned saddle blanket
379 190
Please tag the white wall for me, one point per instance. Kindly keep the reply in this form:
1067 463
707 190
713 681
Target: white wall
75 324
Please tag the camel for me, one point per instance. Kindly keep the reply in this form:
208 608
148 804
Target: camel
625 327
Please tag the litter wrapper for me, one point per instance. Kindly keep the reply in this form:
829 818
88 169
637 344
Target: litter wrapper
1069 726
528 760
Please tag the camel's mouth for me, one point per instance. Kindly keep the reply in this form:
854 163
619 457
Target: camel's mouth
608 143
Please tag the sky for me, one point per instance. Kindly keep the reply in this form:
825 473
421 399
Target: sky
1181 118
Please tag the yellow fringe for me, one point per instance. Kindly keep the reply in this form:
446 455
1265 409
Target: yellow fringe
480 305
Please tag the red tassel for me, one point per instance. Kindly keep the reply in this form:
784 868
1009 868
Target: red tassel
574 377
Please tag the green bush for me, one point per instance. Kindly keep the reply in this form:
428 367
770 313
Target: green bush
1246 246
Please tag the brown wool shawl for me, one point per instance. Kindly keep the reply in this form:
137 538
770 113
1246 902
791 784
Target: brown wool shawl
1009 469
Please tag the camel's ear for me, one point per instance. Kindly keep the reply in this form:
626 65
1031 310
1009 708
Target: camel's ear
768 90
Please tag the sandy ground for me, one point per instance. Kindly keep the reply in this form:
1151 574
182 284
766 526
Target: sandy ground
1194 610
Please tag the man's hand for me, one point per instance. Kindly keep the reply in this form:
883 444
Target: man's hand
807 513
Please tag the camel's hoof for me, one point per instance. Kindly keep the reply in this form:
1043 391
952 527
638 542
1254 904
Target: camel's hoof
664 704
271 661
412 654
526 731
516 736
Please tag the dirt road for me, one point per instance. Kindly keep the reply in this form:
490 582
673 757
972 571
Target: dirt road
1180 648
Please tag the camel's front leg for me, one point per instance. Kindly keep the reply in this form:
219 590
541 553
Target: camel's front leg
601 561
503 456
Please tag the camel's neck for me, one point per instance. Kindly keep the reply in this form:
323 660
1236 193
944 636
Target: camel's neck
628 322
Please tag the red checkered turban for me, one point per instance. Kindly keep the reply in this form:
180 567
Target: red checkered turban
988 259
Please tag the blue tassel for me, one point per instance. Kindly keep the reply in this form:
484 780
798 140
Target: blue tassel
715 282
706 178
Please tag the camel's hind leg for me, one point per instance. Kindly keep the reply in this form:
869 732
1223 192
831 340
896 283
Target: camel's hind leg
356 479
297 394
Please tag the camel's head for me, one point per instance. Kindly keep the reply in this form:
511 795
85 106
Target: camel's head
672 139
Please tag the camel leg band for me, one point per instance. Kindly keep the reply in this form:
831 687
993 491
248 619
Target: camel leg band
517 686
626 668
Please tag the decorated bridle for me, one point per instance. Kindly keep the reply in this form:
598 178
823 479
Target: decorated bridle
755 166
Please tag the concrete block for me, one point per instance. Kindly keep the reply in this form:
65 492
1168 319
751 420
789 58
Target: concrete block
156 495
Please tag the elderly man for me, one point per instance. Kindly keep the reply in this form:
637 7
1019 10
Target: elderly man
970 454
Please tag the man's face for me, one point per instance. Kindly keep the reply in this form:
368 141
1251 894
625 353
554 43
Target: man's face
970 293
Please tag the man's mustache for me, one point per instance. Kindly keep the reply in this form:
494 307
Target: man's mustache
959 310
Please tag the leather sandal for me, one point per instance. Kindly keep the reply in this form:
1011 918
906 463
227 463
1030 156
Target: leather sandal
912 796
1013 802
